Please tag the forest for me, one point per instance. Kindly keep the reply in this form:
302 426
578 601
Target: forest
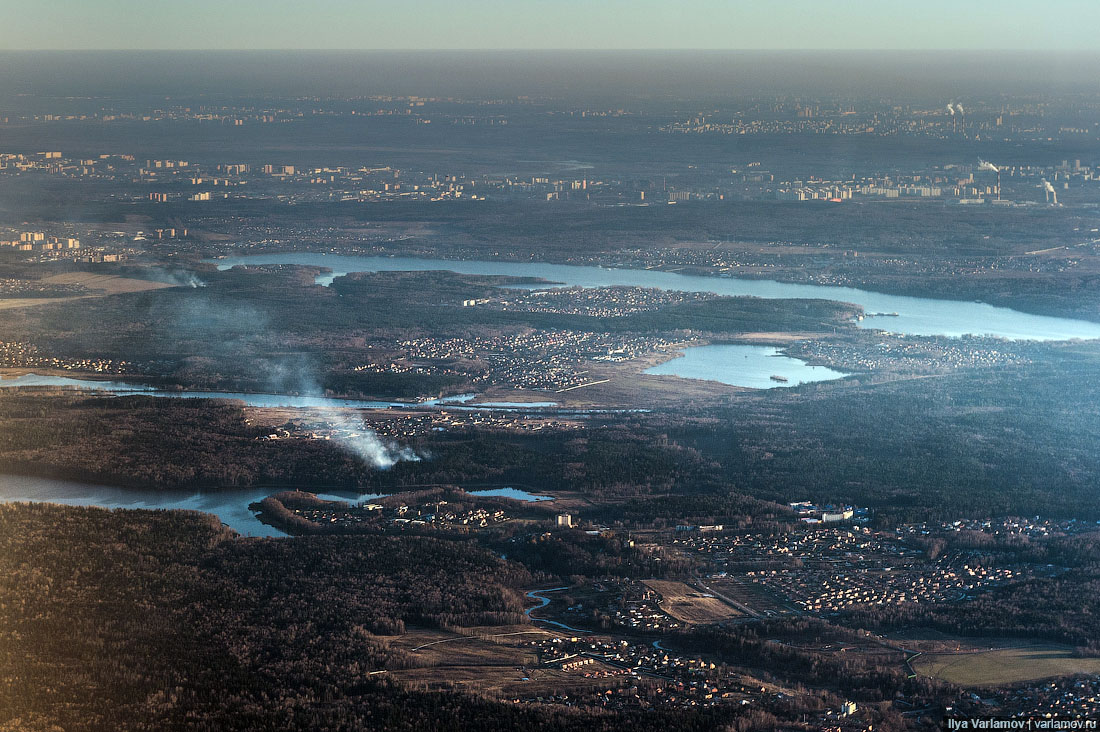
139 620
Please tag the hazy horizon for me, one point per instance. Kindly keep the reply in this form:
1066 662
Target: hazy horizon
609 76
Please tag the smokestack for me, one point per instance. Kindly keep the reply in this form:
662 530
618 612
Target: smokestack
1051 194
986 165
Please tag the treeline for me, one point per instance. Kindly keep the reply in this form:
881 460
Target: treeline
809 651
571 554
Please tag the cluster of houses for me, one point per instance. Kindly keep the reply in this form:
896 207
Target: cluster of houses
659 677
1073 697
818 591
25 355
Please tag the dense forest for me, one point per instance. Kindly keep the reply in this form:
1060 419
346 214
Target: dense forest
162 443
139 620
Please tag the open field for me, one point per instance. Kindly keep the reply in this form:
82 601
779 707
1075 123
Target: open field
474 647
494 661
27 302
109 284
1002 666
510 682
104 284
690 605
752 595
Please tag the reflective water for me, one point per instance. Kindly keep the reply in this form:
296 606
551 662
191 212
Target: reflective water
751 366
896 313
540 595
252 400
231 506
514 493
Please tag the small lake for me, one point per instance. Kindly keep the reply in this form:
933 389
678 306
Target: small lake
895 313
231 506
740 365
512 405
513 493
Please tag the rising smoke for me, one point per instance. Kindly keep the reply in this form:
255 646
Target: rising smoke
365 442
230 331
179 278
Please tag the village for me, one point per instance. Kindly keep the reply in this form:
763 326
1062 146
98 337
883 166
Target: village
14 354
550 360
598 302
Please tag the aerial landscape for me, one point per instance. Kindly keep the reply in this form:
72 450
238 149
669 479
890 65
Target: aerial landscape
644 379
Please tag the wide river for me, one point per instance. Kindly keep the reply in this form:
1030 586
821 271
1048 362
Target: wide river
229 505
914 315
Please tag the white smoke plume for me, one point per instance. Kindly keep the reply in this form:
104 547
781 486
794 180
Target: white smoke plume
350 433
959 108
229 331
950 109
372 449
985 165
179 278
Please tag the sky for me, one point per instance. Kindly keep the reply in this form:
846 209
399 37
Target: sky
1064 25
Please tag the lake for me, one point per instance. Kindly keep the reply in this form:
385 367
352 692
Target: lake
914 315
751 366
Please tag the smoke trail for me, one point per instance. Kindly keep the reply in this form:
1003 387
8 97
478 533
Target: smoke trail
179 278
370 448
351 434
239 338
950 109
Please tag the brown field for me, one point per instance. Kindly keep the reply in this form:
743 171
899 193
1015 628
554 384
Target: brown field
507 682
753 596
689 605
109 284
27 302
105 284
494 661
1004 665
473 646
